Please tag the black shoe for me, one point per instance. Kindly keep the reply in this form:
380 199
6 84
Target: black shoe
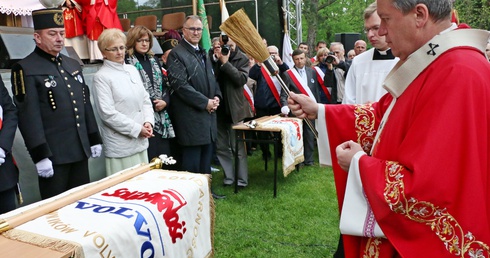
302 164
226 185
217 196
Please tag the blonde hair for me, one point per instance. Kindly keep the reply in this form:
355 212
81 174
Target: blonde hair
319 55
108 36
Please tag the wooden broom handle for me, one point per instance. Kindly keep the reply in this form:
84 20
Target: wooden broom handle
274 70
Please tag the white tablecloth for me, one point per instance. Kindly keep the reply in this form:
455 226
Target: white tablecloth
19 7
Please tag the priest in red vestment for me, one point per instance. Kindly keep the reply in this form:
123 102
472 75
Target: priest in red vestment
412 171
96 16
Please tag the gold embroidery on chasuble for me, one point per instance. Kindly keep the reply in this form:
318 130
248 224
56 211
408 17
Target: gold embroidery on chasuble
364 124
372 248
69 16
443 224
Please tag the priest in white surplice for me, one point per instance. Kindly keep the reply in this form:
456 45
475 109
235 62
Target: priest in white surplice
369 69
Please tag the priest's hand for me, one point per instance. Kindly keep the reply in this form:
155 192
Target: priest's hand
345 152
302 106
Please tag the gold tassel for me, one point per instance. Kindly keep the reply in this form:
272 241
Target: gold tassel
63 246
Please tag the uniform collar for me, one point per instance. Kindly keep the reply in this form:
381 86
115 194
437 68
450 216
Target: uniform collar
48 56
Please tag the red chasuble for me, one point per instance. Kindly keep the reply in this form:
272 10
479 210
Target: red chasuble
73 23
99 16
428 178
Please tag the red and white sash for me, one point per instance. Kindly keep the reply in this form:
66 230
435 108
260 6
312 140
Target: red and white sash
300 83
273 84
319 76
249 96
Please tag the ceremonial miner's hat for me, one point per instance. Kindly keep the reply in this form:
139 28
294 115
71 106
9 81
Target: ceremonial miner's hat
169 44
48 18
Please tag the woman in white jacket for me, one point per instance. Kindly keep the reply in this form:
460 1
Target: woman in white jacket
123 105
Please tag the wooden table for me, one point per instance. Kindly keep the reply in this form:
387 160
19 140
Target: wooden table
275 140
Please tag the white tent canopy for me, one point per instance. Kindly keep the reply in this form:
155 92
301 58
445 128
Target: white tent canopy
19 7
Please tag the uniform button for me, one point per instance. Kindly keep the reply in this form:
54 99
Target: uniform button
52 102
62 71
77 116
76 109
71 93
78 124
74 102
69 86
54 107
66 78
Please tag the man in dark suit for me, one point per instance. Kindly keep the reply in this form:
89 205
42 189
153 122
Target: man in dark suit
9 175
56 118
195 99
302 79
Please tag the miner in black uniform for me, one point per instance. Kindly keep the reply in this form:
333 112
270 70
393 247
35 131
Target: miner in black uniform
56 118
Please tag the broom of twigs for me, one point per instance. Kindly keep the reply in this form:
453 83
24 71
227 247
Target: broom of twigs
241 30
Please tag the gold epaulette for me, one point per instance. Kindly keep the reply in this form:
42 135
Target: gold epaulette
19 87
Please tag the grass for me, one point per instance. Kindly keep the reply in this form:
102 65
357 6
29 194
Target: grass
301 222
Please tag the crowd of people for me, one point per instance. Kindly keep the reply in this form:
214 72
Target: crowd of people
185 104
182 104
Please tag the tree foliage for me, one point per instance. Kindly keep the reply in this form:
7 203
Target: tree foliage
322 19
126 6
475 13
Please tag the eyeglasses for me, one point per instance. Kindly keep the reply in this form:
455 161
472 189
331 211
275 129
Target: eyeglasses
143 40
115 49
194 30
374 29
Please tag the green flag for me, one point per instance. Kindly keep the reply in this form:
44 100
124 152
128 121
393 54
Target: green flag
206 37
